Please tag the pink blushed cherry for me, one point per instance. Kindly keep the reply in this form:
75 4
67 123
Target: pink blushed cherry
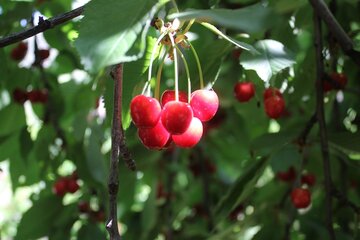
204 104
176 117
154 138
145 111
191 136
169 95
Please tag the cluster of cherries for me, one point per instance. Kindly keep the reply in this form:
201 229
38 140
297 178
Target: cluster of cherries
274 103
19 52
336 81
65 185
174 120
96 215
300 196
34 96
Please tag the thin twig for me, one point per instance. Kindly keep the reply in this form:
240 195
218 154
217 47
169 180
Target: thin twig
337 31
42 26
322 125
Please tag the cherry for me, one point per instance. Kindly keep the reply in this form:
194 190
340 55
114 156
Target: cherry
191 136
19 52
84 207
176 117
71 185
340 79
300 197
19 95
43 54
154 138
327 86
204 104
145 111
60 187
98 215
287 176
274 106
308 179
270 92
169 95
38 96
244 91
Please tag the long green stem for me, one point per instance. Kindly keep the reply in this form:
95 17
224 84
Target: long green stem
198 64
175 5
188 26
147 84
175 67
158 77
187 72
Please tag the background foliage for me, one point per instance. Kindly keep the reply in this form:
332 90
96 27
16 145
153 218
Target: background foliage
224 188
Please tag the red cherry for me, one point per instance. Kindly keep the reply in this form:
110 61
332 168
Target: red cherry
204 104
244 91
59 187
71 185
287 176
169 95
19 95
270 92
274 106
154 138
308 179
176 117
191 136
84 207
43 54
43 95
340 79
327 86
300 197
19 52
98 216
145 111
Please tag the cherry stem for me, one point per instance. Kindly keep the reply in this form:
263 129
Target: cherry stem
158 77
198 64
187 72
175 67
147 84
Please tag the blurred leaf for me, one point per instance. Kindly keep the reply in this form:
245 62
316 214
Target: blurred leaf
38 220
12 119
240 189
90 231
345 141
270 142
250 19
286 157
273 58
118 32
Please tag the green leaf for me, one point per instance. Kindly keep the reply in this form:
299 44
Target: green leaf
250 19
237 43
284 158
12 119
270 142
345 141
273 58
37 221
108 31
241 188
90 231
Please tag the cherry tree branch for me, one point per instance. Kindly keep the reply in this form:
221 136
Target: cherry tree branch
42 26
337 31
322 125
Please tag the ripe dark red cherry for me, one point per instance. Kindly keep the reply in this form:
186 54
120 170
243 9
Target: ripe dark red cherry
191 136
300 197
19 52
71 185
270 92
169 95
44 54
19 95
154 138
204 104
176 117
244 91
308 179
60 187
84 207
340 79
145 111
287 176
274 106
